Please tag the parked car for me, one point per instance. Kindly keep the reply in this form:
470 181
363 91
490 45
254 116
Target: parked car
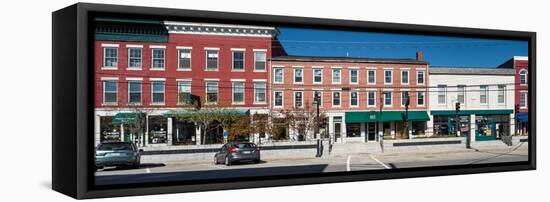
117 154
237 152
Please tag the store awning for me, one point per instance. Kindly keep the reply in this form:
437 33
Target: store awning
468 112
186 112
125 118
523 117
377 116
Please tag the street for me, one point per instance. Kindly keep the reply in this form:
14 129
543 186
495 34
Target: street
200 170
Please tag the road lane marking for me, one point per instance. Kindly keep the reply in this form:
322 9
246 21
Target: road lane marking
348 168
380 162
147 170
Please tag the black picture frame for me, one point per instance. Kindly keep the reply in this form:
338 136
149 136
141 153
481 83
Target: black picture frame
72 106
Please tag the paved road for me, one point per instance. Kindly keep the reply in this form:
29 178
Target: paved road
175 171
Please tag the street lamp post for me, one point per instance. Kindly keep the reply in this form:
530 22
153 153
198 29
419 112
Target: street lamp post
317 102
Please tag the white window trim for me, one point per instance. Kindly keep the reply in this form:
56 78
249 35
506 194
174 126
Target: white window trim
103 47
368 91
322 95
526 99
294 99
486 95
332 75
254 55
369 83
233 50
157 46
350 105
526 77
153 57
313 74
206 59
282 99
332 101
417 98
254 81
233 92
128 47
178 90
391 79
408 77
212 48
444 95
103 79
140 92
206 91
282 76
423 78
163 91
384 98
190 58
294 77
354 69
109 45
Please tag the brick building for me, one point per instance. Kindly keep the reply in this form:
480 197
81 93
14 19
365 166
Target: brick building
520 65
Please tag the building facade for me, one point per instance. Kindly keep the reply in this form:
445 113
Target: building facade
362 98
486 97
520 64
150 70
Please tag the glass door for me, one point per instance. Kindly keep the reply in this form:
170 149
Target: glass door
371 132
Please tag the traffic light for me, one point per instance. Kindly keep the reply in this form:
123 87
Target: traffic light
516 108
457 107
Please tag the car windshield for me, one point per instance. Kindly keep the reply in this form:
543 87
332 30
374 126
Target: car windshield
114 146
245 145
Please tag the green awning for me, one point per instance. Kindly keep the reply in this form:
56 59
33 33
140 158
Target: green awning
185 112
125 118
468 112
377 116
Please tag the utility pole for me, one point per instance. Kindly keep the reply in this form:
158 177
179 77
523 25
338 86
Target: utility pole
317 102
406 116
457 110
381 136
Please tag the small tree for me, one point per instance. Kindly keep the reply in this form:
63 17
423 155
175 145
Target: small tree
138 123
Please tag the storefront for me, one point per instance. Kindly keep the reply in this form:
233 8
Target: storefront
491 127
390 124
183 132
109 132
484 124
446 125
158 130
523 123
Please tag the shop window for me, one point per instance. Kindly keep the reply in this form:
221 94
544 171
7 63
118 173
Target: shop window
183 132
157 130
109 132
353 130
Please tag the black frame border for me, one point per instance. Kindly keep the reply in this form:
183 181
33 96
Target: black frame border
73 109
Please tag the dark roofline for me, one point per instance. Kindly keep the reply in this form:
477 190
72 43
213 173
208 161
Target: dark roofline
471 71
347 59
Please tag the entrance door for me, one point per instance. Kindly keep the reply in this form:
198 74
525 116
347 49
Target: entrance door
337 131
371 132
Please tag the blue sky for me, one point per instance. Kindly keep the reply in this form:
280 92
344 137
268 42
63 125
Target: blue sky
438 50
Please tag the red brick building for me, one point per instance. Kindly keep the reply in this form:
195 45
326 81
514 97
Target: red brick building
154 68
520 64
351 91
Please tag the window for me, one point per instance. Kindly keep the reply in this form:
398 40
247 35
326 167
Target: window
523 77
336 99
523 99
420 77
371 98
388 77
483 94
387 98
336 76
259 92
110 91
110 57
134 57
211 59
420 98
354 99
278 74
317 75
318 95
298 99
501 92
353 76
404 77
461 93
404 97
259 60
158 58
211 92
441 98
278 98
371 76
134 92
238 92
298 75
238 60
184 92
184 61
157 91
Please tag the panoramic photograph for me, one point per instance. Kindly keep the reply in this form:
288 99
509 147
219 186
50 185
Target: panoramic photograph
186 101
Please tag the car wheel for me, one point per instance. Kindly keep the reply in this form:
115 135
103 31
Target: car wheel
227 161
257 161
216 160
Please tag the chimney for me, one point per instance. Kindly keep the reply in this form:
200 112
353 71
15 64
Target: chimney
419 55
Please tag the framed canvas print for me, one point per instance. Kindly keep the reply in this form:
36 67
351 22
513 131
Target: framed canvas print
157 100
